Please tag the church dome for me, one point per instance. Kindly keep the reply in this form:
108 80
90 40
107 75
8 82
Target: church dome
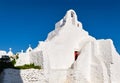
10 53
29 49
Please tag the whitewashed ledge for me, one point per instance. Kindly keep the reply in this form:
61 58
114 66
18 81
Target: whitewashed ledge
23 76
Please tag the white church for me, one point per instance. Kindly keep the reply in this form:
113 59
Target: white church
4 53
70 47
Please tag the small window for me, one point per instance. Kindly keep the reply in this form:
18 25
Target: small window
72 14
78 25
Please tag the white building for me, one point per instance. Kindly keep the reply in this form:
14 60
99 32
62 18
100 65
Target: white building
2 53
62 42
29 57
69 46
10 53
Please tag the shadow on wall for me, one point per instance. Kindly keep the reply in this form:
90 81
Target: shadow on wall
8 74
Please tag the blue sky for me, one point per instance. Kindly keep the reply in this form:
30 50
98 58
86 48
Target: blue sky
24 22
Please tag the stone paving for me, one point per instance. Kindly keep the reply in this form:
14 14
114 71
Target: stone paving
23 76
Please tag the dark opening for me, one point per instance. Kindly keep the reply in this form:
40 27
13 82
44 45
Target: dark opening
72 14
78 25
76 54
29 50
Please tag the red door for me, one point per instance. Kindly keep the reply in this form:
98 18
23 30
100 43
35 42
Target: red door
76 54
